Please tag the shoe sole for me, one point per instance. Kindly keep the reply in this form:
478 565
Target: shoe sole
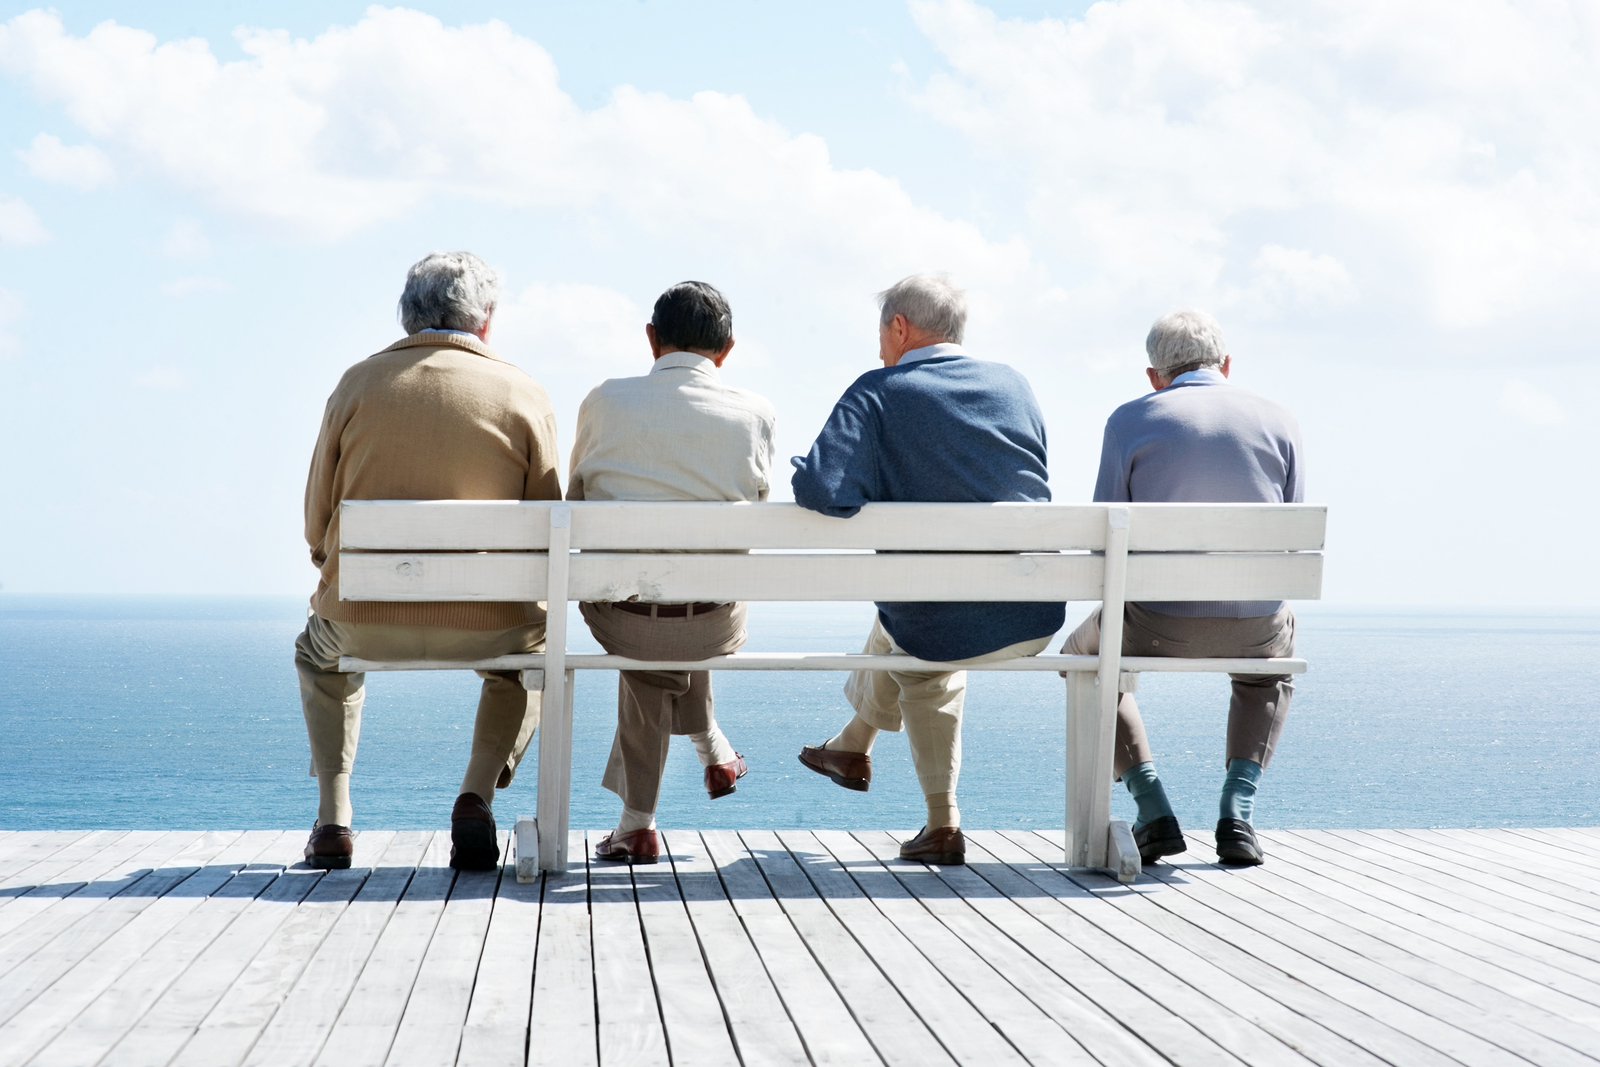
720 793
1240 859
328 863
473 846
942 859
860 785
1154 850
629 858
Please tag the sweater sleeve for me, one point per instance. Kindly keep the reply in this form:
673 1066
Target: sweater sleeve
840 473
1112 487
319 504
544 479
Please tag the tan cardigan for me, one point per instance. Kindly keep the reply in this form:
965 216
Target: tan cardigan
436 416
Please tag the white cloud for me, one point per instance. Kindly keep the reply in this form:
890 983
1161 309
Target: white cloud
82 166
1531 405
186 286
1293 280
11 312
165 376
186 240
1446 152
18 224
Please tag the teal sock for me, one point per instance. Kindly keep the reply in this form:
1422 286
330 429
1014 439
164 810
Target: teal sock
1145 787
1239 790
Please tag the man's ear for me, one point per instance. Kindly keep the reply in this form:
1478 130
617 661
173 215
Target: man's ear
1227 365
482 332
650 335
1157 382
717 359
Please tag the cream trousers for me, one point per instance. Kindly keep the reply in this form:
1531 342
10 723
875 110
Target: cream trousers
927 703
331 701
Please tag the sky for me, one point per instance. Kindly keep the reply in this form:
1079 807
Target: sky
207 211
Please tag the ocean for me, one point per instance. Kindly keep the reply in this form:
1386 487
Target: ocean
183 713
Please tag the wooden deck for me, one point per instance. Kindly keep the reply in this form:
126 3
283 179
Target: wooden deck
1410 948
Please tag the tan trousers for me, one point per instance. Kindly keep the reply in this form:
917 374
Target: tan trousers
928 703
1260 703
654 705
507 713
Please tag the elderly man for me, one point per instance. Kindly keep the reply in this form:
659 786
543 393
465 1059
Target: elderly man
934 424
1197 438
436 415
676 433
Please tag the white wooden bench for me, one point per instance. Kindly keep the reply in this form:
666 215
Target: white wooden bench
698 552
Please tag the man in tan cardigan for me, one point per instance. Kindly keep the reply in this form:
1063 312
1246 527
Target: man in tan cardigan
437 415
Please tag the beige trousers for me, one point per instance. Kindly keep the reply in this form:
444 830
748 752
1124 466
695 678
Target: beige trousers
927 703
1259 704
507 713
654 705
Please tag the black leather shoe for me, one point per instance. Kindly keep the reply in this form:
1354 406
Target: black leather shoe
474 840
1160 837
1237 845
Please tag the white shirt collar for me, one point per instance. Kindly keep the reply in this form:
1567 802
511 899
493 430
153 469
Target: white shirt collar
691 360
916 355
1200 376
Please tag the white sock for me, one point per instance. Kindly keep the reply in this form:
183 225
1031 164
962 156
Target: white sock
942 810
635 820
857 736
712 747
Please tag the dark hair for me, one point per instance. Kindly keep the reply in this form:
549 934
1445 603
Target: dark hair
693 315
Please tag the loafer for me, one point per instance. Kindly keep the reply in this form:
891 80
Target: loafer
1160 837
1237 845
474 839
853 770
945 847
720 777
330 847
635 846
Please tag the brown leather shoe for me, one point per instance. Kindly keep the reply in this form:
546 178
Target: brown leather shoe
330 847
474 839
635 846
853 770
721 776
944 847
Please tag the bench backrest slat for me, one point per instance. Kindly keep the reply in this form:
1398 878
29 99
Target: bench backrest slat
521 576
482 525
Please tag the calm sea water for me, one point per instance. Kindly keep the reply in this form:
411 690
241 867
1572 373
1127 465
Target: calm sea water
183 713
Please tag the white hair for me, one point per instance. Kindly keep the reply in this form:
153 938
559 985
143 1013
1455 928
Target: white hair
448 291
929 302
1184 341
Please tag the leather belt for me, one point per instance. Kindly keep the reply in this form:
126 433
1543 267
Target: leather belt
665 611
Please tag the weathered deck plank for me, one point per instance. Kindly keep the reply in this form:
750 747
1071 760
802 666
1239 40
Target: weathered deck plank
777 949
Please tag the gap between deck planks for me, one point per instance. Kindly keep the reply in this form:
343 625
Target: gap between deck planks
794 947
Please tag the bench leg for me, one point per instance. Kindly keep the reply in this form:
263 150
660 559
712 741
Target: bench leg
525 840
1089 741
555 770
1122 855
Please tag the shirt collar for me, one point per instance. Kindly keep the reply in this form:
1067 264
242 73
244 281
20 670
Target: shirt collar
1200 376
691 360
917 355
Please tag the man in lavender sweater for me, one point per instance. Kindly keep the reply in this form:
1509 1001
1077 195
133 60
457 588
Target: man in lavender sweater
1197 438
932 424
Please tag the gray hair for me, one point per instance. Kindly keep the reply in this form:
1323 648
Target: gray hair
1184 341
448 291
929 302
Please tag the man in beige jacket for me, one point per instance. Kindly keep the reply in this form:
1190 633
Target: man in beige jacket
677 433
437 415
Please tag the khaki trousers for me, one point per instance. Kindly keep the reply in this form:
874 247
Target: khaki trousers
927 703
507 713
654 705
1260 703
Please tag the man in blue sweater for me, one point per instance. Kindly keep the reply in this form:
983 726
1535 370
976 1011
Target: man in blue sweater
933 425
1199 439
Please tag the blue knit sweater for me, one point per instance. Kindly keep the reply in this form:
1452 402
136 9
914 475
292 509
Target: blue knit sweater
945 429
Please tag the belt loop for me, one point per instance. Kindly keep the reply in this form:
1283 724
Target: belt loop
688 611
653 609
